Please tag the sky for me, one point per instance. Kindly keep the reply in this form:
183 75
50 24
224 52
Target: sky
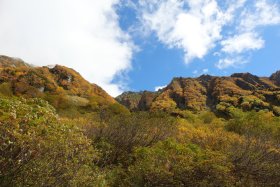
139 45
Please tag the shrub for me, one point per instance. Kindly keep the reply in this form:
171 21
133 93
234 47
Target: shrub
169 163
121 134
6 89
37 150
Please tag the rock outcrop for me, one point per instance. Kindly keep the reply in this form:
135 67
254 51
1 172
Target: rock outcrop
219 94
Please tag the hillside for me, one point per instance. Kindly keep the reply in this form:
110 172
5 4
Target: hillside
57 129
63 87
218 94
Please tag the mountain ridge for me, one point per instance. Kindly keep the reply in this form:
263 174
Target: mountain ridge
65 88
61 86
217 93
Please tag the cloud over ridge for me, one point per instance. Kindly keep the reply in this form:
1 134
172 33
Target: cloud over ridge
81 34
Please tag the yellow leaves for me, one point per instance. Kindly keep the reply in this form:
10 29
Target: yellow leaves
77 101
226 98
276 110
165 105
62 87
253 101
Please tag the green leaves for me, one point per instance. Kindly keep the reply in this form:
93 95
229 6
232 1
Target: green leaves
170 163
115 148
37 150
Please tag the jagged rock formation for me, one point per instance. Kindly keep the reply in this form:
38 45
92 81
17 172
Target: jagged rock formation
219 94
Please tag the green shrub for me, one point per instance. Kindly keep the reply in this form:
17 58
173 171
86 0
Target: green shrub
6 89
169 163
37 150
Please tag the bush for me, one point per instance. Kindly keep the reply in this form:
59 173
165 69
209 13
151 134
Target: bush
169 163
37 150
257 124
6 89
117 138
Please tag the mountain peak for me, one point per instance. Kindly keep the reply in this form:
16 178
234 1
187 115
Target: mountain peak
6 62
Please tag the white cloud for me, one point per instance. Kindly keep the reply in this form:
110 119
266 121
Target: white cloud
230 62
224 63
200 72
157 88
81 34
160 17
195 72
263 14
205 71
200 26
247 37
195 29
241 43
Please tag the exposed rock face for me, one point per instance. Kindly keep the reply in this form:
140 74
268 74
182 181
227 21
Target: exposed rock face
248 81
241 90
137 100
130 99
275 77
146 100
187 93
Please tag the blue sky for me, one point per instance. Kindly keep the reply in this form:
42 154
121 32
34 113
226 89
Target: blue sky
142 44
155 64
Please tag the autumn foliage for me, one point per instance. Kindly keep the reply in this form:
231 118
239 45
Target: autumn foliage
56 129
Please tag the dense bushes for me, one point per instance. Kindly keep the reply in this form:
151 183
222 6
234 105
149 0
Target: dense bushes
117 137
6 89
116 148
170 163
37 150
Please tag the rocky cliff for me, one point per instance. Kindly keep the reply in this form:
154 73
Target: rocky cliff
219 94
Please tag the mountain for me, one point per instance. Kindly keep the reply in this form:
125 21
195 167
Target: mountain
70 93
137 100
219 94
275 78
57 129
63 87
6 61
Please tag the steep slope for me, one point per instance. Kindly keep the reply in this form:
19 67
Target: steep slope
6 61
275 78
137 100
63 87
219 94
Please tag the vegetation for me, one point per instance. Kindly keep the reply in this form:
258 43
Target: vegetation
62 87
36 149
39 148
192 133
